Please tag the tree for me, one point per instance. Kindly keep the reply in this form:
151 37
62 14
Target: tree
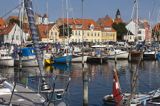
65 30
121 30
12 21
156 34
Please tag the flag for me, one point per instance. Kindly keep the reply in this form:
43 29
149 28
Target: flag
117 94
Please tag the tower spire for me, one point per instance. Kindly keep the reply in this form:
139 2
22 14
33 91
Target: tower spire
118 14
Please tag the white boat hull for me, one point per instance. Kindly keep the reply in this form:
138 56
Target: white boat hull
79 59
27 61
6 62
30 62
119 56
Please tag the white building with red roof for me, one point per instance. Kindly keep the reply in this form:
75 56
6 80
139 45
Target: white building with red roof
12 34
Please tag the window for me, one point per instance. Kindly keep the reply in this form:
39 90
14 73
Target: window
55 33
88 33
139 32
51 33
82 32
7 37
17 37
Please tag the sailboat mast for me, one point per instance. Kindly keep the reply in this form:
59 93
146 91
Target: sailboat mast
21 19
35 37
137 20
84 72
67 15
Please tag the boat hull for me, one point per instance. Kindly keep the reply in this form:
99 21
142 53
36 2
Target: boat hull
48 62
96 60
27 62
149 56
63 59
119 56
7 62
78 59
135 56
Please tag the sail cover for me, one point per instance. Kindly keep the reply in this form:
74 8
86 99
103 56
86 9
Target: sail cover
117 94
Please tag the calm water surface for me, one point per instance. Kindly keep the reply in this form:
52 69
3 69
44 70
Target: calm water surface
100 78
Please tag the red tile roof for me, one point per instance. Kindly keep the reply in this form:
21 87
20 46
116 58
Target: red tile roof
6 30
44 29
13 17
77 21
105 22
157 27
2 23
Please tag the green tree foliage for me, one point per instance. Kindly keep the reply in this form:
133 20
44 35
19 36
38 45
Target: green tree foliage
156 34
12 21
65 30
121 30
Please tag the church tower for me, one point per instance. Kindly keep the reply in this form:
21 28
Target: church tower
118 14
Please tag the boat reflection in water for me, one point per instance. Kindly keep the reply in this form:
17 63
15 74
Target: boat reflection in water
101 78
62 67
7 72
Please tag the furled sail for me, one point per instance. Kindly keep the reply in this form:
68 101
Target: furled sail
117 94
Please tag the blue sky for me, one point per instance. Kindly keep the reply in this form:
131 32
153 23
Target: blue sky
92 8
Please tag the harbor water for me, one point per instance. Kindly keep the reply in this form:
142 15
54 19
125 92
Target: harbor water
100 78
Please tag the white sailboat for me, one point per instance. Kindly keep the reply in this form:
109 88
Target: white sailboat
117 53
5 58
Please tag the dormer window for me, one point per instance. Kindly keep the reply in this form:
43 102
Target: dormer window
91 27
108 28
79 26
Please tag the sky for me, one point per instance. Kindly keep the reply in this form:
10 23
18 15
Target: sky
148 9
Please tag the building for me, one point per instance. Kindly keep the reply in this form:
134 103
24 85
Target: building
83 30
39 19
118 18
156 32
2 23
48 33
12 34
108 33
141 32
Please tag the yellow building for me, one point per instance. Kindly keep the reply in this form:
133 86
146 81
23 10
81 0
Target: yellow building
87 30
83 30
109 34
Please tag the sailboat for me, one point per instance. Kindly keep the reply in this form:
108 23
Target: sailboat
66 53
135 54
28 57
117 98
6 58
